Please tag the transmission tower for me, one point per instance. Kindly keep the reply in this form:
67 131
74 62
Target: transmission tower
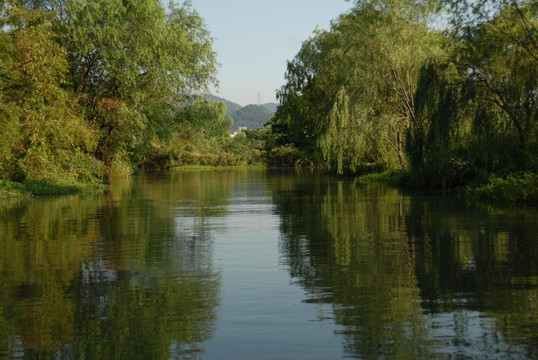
259 99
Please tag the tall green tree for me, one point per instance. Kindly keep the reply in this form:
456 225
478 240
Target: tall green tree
383 47
372 54
306 97
501 56
86 83
476 109
206 117
42 131
132 65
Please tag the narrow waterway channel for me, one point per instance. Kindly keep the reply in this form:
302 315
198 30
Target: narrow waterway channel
256 264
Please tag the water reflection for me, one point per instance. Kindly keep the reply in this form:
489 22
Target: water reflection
132 274
117 275
410 276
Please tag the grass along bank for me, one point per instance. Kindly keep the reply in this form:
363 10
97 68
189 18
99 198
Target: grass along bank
13 190
513 188
519 187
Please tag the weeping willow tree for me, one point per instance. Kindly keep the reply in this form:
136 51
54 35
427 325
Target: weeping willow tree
476 110
387 42
347 143
431 136
339 144
350 90
498 51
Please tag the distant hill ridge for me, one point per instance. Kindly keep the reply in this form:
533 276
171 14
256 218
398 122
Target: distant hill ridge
250 116
231 106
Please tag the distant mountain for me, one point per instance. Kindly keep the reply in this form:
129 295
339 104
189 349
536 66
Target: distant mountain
231 106
251 116
271 106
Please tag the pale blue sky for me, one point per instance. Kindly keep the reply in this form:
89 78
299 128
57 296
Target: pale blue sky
254 38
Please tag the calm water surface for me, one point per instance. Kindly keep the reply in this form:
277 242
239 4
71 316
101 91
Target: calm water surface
266 265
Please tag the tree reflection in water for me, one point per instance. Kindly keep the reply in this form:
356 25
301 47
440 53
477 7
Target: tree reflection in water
130 273
109 276
410 276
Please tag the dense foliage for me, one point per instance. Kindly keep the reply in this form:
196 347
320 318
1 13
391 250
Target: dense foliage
385 88
42 127
202 138
476 110
95 88
445 90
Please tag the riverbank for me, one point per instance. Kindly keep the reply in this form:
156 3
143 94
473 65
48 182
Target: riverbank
514 188
211 167
10 190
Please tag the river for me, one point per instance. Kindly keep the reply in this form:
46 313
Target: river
258 264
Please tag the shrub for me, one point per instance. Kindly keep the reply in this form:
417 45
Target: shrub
514 187
285 156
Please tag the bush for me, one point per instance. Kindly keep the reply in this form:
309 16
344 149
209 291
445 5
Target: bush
514 187
12 190
391 177
285 156
119 168
159 157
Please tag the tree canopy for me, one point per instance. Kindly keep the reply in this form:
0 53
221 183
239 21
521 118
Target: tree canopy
371 57
87 84
390 85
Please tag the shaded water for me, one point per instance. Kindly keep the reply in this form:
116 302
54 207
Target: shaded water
266 265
